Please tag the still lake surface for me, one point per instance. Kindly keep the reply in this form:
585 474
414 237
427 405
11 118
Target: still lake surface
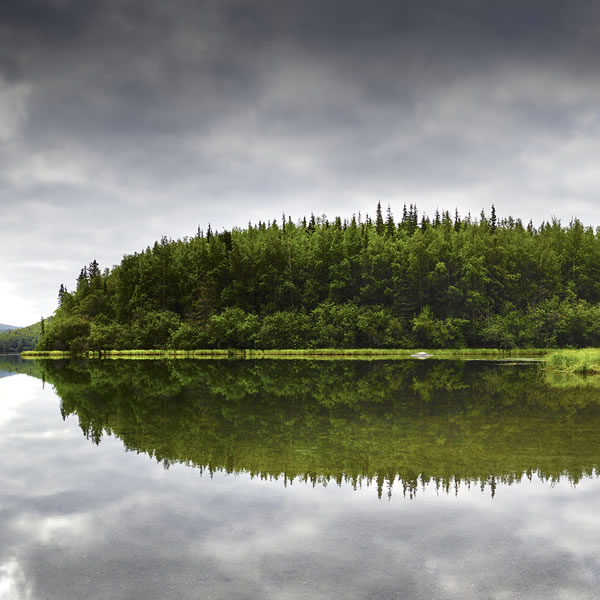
297 479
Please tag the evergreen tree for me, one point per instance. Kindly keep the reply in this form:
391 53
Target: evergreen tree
457 221
379 226
493 221
390 226
61 292
82 280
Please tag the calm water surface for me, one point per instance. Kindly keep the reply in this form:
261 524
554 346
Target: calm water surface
297 479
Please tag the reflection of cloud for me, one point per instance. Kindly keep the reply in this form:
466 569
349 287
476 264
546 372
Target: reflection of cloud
13 584
59 434
61 530
276 539
573 528
11 398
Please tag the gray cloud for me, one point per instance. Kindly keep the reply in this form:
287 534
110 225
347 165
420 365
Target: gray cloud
121 122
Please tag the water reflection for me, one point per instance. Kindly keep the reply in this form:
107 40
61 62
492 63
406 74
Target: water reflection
13 584
87 520
392 424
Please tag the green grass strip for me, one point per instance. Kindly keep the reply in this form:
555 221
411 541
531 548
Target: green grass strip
582 361
312 353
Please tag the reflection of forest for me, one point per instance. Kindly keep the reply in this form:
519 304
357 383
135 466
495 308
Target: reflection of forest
403 423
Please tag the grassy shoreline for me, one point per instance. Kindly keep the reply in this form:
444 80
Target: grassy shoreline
583 361
313 353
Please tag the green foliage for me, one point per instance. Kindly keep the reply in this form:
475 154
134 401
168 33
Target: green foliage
69 332
442 283
153 329
187 336
233 328
284 330
439 333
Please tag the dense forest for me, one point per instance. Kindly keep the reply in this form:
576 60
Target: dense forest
447 281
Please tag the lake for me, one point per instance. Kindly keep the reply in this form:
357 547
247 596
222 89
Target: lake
291 479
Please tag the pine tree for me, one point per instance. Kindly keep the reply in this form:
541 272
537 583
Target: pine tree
82 280
379 226
93 270
493 220
61 292
457 221
390 227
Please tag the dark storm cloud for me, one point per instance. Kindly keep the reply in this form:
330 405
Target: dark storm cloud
135 119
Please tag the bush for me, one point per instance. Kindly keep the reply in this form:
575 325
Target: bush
188 336
153 329
285 330
233 328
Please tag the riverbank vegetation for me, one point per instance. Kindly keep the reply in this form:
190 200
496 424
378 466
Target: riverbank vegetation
296 353
441 282
582 361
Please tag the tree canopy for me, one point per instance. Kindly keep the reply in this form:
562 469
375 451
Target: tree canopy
352 283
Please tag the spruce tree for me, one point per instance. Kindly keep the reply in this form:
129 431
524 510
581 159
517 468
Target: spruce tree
93 270
61 292
379 226
493 220
390 227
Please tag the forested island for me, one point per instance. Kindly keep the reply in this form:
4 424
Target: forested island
441 282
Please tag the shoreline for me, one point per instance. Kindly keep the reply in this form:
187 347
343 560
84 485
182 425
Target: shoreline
313 353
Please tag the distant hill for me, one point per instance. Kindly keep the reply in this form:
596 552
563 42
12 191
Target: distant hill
18 339
4 327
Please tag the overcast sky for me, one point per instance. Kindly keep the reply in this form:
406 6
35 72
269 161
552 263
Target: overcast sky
122 121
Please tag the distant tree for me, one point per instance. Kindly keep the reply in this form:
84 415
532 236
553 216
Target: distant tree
93 270
82 280
379 225
493 220
457 221
61 293
390 226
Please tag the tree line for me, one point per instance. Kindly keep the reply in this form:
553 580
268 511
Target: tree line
447 281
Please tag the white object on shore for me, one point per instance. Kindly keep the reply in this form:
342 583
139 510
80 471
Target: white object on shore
421 355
